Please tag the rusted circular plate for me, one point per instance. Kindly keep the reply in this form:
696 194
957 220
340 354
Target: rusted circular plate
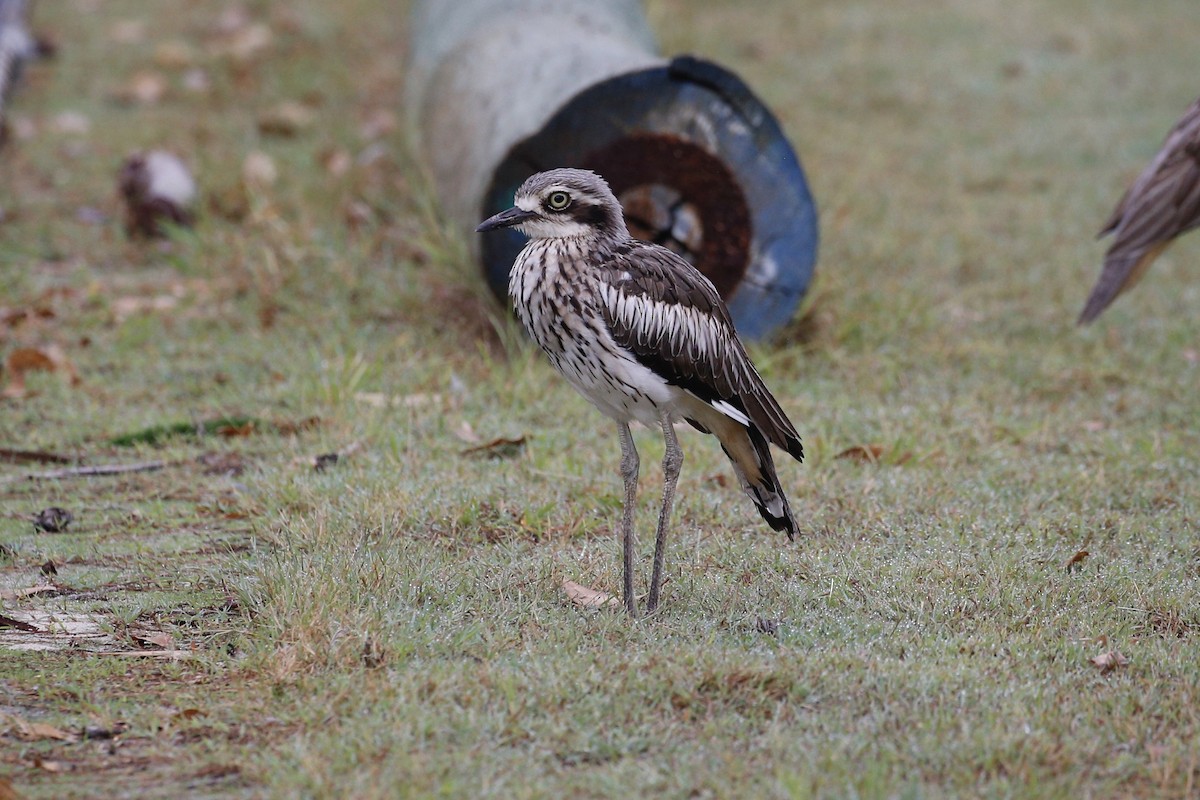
645 160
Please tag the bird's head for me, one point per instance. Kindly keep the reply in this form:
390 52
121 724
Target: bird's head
561 204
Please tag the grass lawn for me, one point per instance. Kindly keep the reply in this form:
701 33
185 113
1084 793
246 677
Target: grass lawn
232 621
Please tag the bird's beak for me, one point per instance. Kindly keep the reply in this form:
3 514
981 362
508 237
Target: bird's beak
505 219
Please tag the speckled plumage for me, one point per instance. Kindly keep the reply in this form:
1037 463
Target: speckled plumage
643 336
1161 204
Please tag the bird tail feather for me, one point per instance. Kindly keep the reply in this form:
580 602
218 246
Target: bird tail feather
750 454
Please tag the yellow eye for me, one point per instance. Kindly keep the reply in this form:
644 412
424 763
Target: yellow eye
558 201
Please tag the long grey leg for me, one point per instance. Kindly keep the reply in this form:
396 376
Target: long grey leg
672 463
629 472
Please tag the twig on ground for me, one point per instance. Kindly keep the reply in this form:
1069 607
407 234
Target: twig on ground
88 472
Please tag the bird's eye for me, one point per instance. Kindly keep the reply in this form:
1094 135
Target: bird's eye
558 201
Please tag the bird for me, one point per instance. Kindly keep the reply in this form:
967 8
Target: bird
1160 205
644 336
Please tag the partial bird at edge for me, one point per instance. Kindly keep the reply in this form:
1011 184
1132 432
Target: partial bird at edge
1162 204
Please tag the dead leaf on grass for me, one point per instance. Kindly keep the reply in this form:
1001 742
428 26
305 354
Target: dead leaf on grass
1109 661
285 120
124 307
35 359
72 123
28 591
581 595
9 622
501 447
174 54
37 731
159 639
49 765
1075 562
11 456
872 454
144 88
259 170
7 792
466 433
189 713
289 427
335 161
232 430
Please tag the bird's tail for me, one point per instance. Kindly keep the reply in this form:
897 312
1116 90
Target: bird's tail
750 454
1121 271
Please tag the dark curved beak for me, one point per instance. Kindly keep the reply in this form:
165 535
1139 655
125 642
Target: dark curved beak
505 219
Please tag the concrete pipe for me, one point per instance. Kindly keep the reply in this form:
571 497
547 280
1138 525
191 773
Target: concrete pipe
501 89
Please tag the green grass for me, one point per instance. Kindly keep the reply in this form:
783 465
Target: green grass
394 624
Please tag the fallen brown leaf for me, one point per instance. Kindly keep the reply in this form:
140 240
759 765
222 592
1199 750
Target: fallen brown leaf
174 54
35 359
157 639
9 622
498 448
259 170
466 433
247 43
285 120
873 454
7 792
1109 661
124 307
28 591
189 713
144 88
231 431
72 123
1075 562
581 595
335 161
289 427
31 456
38 731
